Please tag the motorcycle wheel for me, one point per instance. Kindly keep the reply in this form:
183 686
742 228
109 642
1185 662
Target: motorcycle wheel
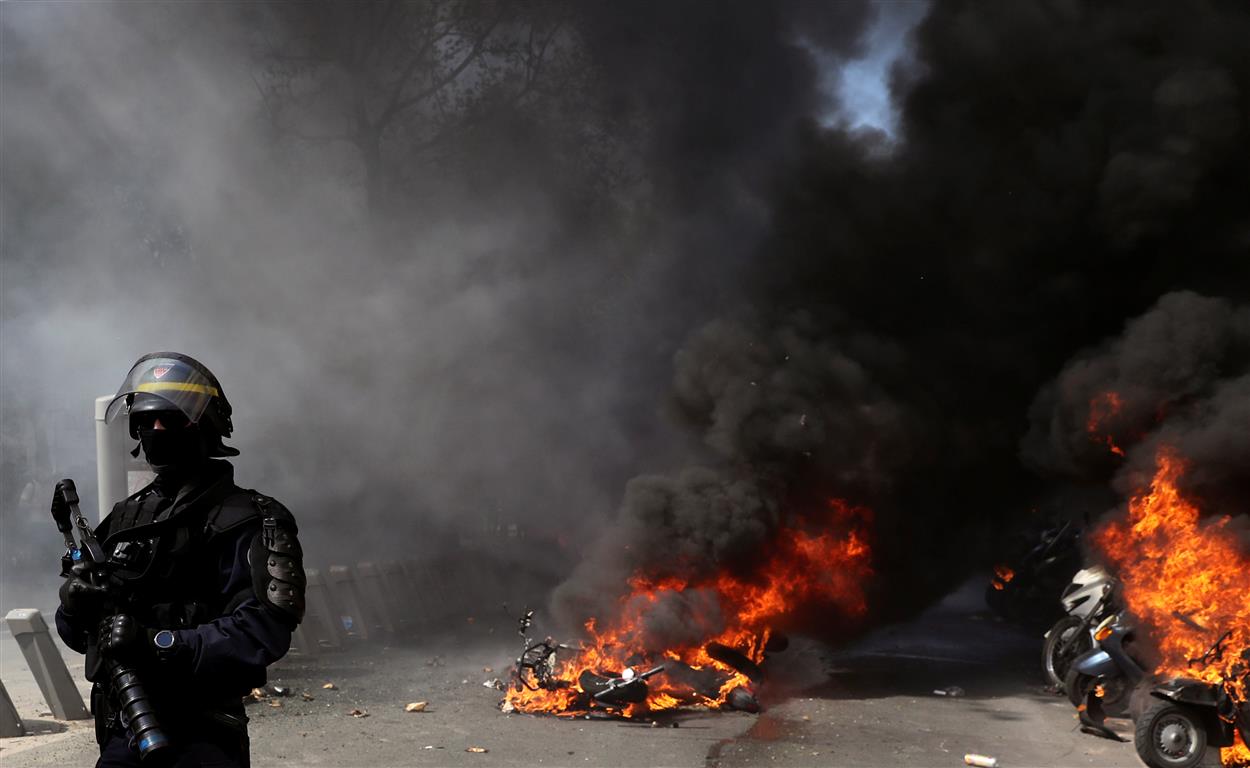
1116 691
1170 736
1077 686
1063 644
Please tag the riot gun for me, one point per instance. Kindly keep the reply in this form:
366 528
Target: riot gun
87 555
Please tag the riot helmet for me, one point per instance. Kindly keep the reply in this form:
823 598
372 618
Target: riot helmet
179 384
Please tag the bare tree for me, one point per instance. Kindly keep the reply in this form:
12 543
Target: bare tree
399 80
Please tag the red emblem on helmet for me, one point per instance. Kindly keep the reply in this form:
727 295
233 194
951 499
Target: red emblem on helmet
159 372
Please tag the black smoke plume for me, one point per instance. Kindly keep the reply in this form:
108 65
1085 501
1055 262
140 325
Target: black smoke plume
1057 169
1180 378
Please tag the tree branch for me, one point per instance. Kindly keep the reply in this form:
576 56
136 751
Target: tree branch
398 105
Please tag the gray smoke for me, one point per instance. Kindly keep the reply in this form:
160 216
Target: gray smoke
471 329
482 353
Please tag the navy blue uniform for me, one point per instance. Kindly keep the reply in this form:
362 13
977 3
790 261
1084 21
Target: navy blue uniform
183 554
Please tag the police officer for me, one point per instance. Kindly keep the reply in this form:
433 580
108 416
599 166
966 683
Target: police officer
207 579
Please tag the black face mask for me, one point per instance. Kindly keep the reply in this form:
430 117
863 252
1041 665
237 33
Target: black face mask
173 449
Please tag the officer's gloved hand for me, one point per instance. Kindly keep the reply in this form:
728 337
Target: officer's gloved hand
80 598
124 640
60 507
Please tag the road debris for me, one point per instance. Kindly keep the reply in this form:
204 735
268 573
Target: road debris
981 761
273 689
477 750
330 687
495 683
950 691
416 706
306 696
275 703
357 712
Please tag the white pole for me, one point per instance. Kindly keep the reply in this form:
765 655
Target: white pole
110 456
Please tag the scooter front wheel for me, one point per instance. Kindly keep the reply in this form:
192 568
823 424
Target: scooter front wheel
1115 694
1064 642
1170 736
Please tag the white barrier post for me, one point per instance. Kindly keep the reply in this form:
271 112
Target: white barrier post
110 458
46 664
10 723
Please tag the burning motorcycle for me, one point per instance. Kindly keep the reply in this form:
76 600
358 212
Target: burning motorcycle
536 670
535 667
1191 715
1088 600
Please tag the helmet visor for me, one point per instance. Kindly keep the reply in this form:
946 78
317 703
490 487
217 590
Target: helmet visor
170 379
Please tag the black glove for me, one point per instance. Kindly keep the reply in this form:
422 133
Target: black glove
60 507
80 598
124 640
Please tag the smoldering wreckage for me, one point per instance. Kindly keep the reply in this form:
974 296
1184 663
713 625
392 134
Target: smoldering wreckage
1150 603
1140 613
1165 640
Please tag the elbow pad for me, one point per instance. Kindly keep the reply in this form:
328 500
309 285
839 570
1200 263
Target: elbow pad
277 562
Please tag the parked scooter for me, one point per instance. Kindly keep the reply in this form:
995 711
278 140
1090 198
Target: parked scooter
1100 681
1089 599
1024 591
1190 715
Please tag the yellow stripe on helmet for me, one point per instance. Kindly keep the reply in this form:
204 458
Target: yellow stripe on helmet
176 386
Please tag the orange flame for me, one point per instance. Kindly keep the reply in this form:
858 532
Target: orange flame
1102 408
827 568
1170 564
1002 577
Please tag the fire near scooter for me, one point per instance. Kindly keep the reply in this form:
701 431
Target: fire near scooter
1191 715
1101 680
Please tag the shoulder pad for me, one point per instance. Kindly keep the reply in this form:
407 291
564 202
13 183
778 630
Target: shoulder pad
245 506
277 562
270 507
235 510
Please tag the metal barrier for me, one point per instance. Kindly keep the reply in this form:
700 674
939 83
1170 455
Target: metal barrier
342 584
303 642
322 617
372 593
401 599
46 664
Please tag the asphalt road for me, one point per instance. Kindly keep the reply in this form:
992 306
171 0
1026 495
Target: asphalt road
871 705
